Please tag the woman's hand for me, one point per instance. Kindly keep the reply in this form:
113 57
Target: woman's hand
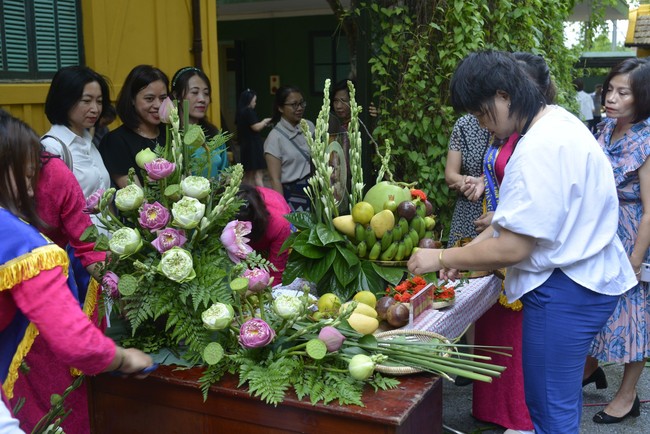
473 187
424 261
483 222
130 361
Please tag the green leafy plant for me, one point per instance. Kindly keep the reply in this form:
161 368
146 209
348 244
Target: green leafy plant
416 46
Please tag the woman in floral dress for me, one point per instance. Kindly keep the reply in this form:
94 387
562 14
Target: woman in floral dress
467 146
625 138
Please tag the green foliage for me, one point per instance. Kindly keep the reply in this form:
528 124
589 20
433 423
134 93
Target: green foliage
415 51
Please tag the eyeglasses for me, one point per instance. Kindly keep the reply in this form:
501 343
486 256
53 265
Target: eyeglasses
341 101
296 105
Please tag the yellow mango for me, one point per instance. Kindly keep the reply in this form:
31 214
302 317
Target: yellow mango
344 224
363 324
382 222
361 308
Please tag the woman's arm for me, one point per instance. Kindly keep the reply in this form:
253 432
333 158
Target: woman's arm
48 303
259 126
453 177
643 235
486 253
274 166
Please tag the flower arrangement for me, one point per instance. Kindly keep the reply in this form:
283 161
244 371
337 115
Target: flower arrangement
183 277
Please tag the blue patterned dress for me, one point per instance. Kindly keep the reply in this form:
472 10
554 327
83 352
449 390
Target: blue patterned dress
625 337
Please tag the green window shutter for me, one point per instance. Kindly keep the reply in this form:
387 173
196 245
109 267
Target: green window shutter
45 32
37 37
15 48
69 25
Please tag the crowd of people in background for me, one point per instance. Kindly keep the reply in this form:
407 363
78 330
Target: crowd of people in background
529 176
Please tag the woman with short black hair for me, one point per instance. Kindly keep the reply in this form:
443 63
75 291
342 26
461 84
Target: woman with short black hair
555 230
75 103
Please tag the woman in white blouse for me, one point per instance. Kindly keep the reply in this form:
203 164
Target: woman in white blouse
75 103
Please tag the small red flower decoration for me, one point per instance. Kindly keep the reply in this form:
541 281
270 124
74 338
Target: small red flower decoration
407 289
415 193
443 293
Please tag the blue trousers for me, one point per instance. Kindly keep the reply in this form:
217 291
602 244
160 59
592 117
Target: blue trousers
561 318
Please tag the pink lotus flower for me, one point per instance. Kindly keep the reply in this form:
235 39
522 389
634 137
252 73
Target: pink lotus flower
159 168
109 283
233 239
255 333
153 216
168 238
92 202
332 337
258 279
165 110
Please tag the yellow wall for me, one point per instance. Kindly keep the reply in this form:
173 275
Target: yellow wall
120 34
629 38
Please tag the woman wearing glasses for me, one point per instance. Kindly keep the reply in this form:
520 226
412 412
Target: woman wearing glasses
286 151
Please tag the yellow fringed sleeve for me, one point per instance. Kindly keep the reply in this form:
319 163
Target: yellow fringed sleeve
19 270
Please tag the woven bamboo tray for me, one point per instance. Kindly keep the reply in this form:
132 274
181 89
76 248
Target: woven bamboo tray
415 335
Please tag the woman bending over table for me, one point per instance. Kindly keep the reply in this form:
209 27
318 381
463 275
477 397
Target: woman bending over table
555 230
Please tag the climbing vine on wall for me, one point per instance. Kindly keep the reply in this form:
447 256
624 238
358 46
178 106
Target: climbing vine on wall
416 45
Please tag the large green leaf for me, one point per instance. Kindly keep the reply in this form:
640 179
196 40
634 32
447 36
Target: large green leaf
308 250
392 275
314 239
368 279
327 235
344 273
288 243
297 266
318 268
301 220
350 257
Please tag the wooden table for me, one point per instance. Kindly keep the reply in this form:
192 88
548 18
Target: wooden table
170 401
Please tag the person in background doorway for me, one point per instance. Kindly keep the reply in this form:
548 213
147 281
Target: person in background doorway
585 102
597 98
251 144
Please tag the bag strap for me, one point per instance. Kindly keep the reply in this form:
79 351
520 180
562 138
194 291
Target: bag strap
67 156
302 152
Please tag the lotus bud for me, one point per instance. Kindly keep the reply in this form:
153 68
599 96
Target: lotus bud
125 242
287 306
153 216
144 156
176 264
195 186
255 333
258 279
332 337
168 238
129 198
165 110
361 367
109 283
218 316
92 202
159 168
188 212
